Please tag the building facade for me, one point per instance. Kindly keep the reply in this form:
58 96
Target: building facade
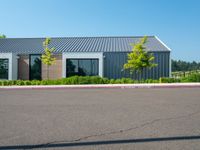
20 58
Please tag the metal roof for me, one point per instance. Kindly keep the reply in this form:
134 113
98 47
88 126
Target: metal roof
79 44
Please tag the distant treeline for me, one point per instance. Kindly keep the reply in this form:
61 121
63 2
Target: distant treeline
184 66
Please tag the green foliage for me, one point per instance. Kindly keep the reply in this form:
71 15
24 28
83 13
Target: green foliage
98 80
2 36
90 80
47 58
124 80
139 59
151 81
20 82
192 78
112 81
181 74
184 66
195 77
35 82
73 80
169 80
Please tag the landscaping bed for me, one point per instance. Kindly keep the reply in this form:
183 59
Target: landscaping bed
98 80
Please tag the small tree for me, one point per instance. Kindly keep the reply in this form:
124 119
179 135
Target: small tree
2 36
139 59
47 57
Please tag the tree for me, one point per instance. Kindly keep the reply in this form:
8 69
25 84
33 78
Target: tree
184 65
2 36
139 59
47 58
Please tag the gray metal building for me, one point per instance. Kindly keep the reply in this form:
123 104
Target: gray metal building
103 56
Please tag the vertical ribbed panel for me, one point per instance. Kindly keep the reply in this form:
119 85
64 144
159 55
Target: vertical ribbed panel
114 61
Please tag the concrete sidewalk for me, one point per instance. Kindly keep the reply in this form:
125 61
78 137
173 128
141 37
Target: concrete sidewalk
154 85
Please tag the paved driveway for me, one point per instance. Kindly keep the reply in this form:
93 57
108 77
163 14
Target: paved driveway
146 119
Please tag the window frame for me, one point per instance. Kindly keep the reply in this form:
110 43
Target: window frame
83 59
7 69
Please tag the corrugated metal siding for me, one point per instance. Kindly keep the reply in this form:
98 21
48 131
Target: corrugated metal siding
113 66
78 44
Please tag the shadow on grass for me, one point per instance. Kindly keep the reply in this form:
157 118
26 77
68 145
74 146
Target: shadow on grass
95 143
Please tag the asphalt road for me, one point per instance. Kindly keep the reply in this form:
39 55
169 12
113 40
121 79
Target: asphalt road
146 119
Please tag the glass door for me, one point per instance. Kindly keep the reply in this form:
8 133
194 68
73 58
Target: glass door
35 67
4 69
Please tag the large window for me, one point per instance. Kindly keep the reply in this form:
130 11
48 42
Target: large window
4 68
35 67
82 67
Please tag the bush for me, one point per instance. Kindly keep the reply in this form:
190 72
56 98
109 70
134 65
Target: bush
151 81
83 80
45 82
27 82
98 80
105 80
118 81
112 81
168 80
192 78
5 83
69 80
19 82
127 80
57 82
142 81
35 82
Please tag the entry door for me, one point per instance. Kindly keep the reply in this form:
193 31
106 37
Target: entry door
35 67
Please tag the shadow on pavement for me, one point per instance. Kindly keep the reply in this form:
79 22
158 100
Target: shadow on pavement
94 143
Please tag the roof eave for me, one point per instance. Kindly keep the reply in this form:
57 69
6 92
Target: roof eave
163 43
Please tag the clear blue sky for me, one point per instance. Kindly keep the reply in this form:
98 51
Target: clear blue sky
175 22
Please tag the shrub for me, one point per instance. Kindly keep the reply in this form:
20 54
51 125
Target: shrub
5 82
127 80
19 82
136 81
112 81
98 80
105 80
151 81
51 82
168 80
13 82
83 80
70 80
27 82
44 82
35 82
142 81
118 81
192 78
57 82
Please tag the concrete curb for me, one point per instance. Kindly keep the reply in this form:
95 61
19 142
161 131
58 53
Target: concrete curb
104 86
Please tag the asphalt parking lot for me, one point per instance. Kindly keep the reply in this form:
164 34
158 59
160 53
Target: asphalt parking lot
146 119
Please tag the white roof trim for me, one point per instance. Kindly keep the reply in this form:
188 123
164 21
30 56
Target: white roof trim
163 43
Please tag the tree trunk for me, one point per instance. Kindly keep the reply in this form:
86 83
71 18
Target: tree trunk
48 72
